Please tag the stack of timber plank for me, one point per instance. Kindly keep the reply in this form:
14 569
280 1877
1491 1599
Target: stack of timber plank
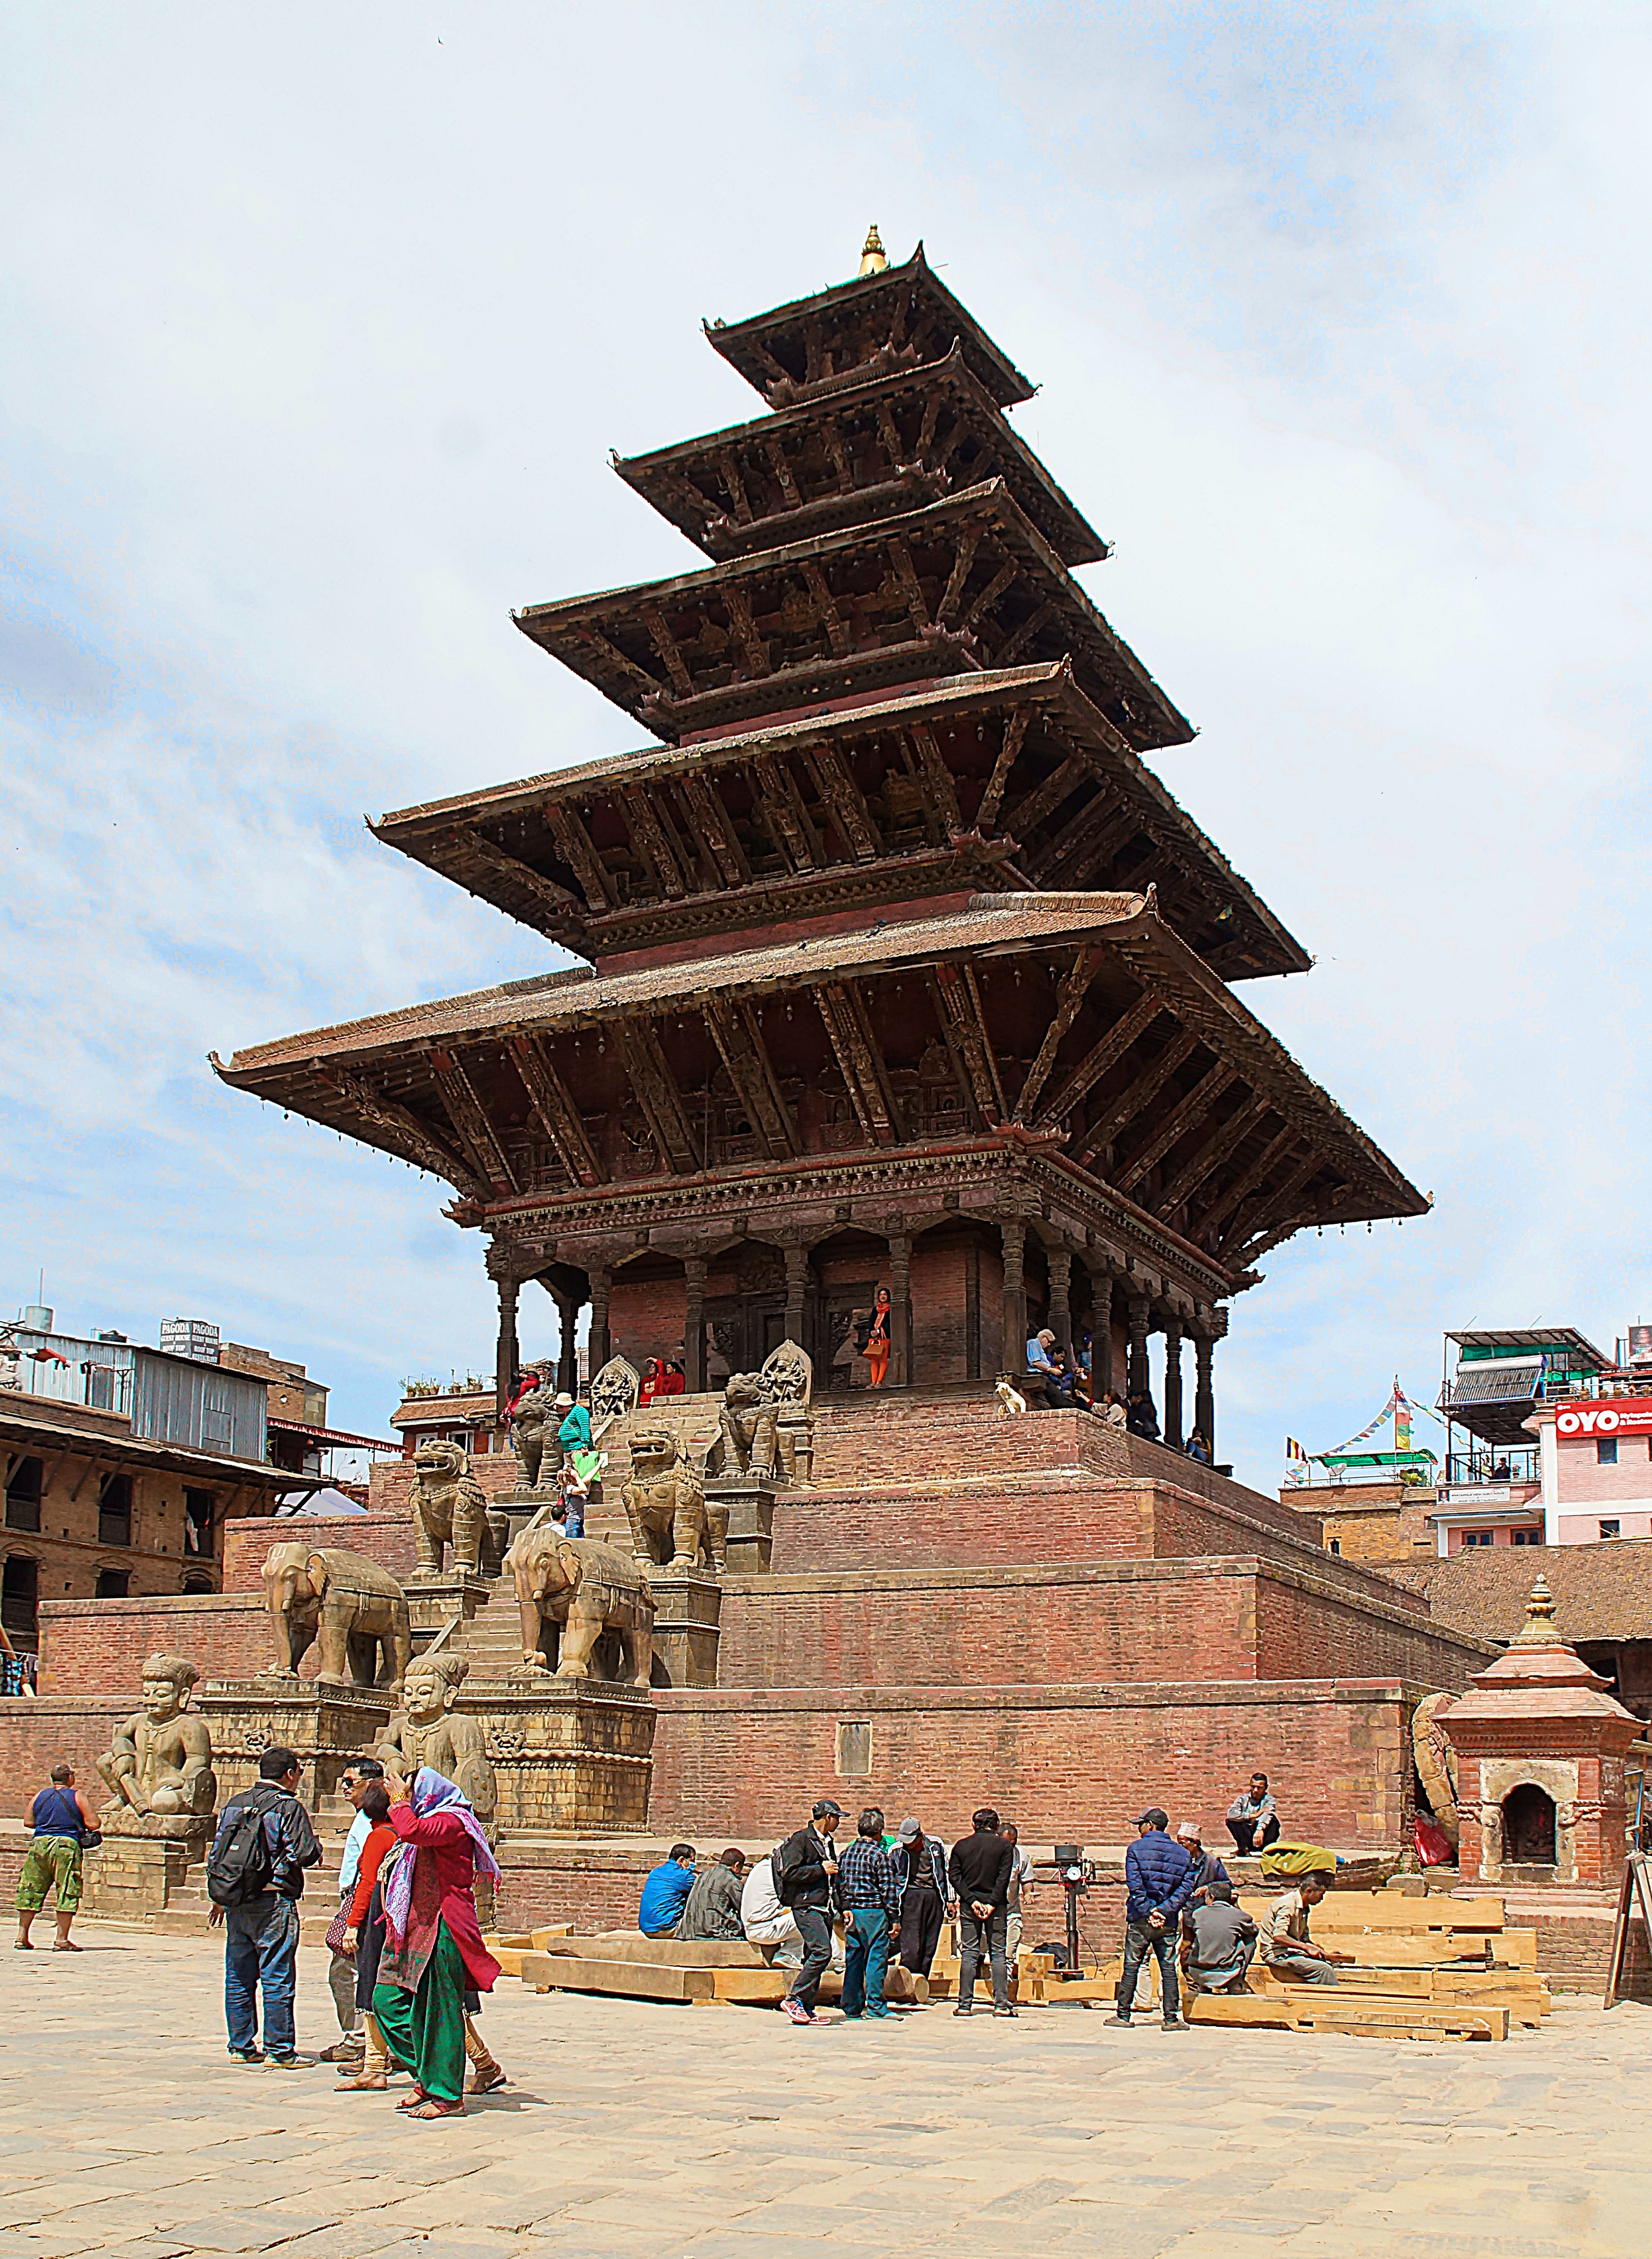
624 1964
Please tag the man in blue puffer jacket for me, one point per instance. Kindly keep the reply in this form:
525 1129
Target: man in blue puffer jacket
1161 1878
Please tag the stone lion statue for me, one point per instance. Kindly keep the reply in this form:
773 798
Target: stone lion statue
534 1417
665 1500
747 1427
450 1508
766 1425
581 1589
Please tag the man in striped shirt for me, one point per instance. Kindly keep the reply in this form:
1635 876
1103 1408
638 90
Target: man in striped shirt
869 1893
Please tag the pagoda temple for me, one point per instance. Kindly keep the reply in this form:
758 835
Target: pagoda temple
898 965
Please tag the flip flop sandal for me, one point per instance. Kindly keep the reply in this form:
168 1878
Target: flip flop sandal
489 2081
69 1946
414 2100
431 2108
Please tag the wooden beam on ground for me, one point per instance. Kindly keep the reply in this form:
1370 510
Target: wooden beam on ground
625 1980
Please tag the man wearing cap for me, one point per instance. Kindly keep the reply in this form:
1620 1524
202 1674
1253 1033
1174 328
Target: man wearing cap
1208 1868
920 1862
1160 1878
573 1430
806 1879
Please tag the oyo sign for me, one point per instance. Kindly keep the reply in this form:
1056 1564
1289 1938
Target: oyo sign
1632 1417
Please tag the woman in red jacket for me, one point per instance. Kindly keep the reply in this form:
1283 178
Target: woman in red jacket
433 1942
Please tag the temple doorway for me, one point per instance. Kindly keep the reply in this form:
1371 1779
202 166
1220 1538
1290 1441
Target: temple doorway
1528 1827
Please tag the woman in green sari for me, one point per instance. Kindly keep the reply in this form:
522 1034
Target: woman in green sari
432 1941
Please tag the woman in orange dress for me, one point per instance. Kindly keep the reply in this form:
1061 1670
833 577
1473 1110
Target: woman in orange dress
878 1339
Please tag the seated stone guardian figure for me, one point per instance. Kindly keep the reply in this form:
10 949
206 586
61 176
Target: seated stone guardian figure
159 1766
532 1418
747 1427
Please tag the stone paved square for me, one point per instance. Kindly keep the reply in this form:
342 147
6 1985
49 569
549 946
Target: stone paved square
722 2132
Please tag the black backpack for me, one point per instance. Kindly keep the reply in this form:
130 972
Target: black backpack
239 1866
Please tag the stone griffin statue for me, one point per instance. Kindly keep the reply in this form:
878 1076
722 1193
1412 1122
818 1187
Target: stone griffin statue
671 1522
427 1731
766 1426
159 1766
533 1417
347 1606
581 1589
450 1508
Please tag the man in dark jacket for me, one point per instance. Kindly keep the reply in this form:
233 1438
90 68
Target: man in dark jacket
260 1935
924 1895
1160 1878
979 1871
805 1881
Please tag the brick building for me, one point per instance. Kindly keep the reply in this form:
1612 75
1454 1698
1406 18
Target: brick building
1603 1601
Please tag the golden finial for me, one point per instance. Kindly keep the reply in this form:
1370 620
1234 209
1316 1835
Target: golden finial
872 260
1538 1630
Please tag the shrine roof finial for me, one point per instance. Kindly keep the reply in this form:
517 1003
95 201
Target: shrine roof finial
873 259
1539 1630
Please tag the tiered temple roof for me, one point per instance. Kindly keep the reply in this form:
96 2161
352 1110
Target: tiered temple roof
897 930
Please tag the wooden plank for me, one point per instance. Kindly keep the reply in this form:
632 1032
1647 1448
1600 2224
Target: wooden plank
1392 1910
756 1987
1368 2017
626 1980
660 1952
540 1938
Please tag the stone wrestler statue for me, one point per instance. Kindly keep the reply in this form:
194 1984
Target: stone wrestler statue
160 1764
427 1731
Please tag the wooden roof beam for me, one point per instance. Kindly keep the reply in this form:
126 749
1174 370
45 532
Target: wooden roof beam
1211 1153
555 1110
1031 808
1070 997
939 778
859 1061
469 1117
713 827
658 1097
825 605
562 906
739 1042
1176 1124
842 796
1102 1055
402 1128
567 827
969 540
780 805
1239 1190
646 824
1015 735
960 996
1139 1094
670 651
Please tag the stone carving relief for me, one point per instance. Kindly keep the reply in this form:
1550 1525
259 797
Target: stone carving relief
159 1766
614 1394
1436 1762
1557 1777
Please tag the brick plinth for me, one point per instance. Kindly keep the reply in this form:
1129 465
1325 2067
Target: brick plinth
1066 1763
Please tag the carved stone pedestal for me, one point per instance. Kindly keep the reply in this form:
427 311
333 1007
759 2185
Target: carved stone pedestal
750 1503
433 1601
140 1866
686 1628
326 1726
569 1756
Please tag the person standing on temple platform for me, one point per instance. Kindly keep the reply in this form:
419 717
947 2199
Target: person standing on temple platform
1283 1938
1021 1881
920 1860
648 1385
62 1819
1208 1868
876 1349
869 1892
1159 1875
1141 1417
1252 1820
358 1776
806 1879
979 1871
666 1892
673 1381
574 1428
712 1908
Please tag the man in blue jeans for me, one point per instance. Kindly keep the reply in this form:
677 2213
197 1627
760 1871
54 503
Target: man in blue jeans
260 1935
1161 1879
869 1891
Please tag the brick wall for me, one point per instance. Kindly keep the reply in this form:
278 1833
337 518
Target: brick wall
1068 1762
95 1649
386 1538
36 1736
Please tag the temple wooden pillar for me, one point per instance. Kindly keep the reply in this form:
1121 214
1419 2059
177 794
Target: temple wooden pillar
796 1289
567 1347
1204 1390
1059 1260
694 1324
1172 1423
506 1352
1101 1330
1138 1312
1013 1232
900 1309
602 1288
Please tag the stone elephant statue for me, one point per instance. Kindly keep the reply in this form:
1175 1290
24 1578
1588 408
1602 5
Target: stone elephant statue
584 1589
347 1606
672 1522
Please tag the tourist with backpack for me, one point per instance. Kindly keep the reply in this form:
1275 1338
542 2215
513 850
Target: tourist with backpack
255 1877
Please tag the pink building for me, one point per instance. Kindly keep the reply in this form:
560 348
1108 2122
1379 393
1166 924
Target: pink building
1595 1468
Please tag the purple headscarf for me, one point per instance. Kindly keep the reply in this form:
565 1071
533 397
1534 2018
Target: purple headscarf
432 1791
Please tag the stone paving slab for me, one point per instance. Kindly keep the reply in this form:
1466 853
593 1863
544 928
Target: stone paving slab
675 2132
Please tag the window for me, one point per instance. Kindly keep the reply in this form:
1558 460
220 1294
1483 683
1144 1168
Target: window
1526 1536
112 1585
1606 1451
23 1495
1611 1529
1336 1545
218 1417
19 1592
1477 1537
114 1510
196 1580
198 1522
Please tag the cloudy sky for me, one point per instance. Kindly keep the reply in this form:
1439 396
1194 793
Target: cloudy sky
317 326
